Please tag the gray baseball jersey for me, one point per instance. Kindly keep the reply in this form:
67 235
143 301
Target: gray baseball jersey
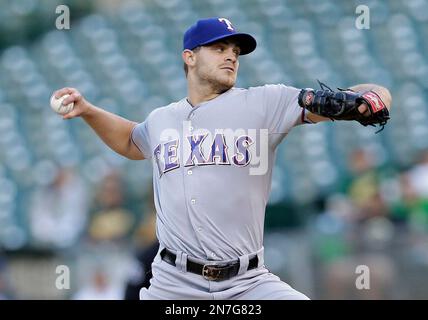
212 167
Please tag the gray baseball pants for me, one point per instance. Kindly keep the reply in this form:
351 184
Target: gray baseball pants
174 283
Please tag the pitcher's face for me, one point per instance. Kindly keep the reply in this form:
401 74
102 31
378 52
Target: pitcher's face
218 64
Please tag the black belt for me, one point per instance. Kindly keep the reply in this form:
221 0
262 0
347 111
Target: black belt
212 272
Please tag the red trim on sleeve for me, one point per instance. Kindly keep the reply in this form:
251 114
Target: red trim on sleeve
303 117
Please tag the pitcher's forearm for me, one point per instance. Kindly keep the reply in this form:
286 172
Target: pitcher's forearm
114 130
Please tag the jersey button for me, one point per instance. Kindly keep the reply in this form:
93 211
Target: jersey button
193 201
200 229
189 172
191 129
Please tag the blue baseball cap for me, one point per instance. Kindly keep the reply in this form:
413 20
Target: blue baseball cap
206 31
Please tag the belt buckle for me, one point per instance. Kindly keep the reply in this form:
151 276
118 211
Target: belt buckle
211 272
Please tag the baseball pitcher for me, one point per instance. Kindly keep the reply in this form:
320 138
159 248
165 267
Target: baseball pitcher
213 153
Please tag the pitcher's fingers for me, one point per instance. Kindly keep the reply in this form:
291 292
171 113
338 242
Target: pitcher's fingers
73 113
364 109
74 97
59 93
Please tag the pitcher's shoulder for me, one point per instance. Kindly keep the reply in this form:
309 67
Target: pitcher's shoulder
261 88
164 110
246 91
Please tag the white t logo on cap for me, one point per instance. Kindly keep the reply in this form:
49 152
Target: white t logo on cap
228 23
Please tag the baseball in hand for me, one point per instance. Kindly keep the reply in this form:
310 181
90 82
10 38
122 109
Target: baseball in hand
58 107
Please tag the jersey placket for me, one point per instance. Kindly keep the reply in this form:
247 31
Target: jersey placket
192 185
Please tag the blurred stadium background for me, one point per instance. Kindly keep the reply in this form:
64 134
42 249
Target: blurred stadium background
342 196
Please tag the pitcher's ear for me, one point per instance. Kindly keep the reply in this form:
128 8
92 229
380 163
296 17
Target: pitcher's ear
189 56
